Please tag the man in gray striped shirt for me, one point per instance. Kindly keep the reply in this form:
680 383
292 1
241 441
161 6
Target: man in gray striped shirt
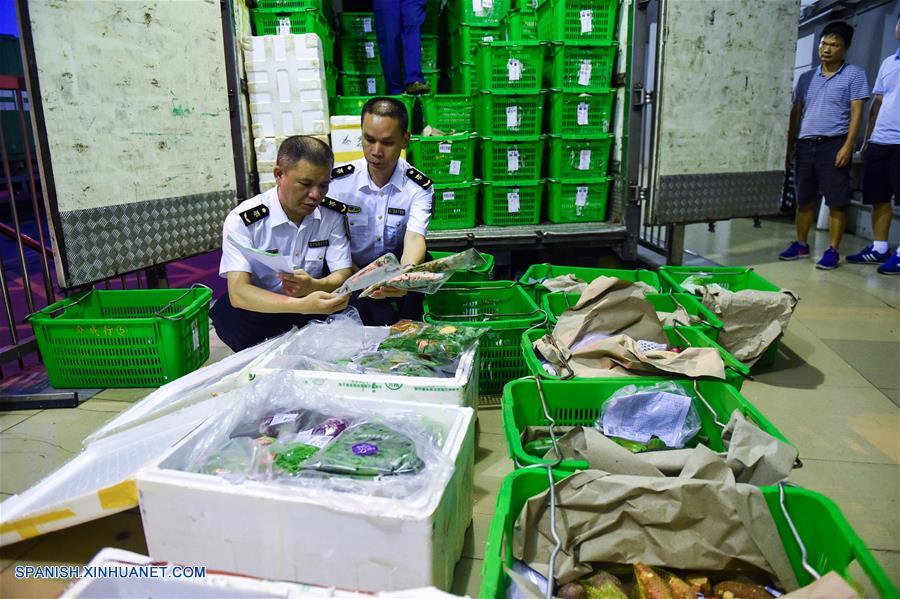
828 109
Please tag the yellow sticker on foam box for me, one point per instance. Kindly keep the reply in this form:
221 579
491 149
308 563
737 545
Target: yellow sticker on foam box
121 496
27 527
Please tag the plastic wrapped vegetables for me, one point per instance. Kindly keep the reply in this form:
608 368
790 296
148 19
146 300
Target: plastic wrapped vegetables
431 276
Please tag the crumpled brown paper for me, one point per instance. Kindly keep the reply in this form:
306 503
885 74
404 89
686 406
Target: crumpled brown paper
830 586
753 456
753 319
677 523
565 283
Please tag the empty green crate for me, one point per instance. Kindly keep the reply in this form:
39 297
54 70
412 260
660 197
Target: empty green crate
450 113
128 338
454 206
465 40
577 201
358 24
502 308
511 204
360 55
444 158
581 114
519 25
510 66
533 278
483 13
462 78
562 20
579 403
829 542
505 159
679 336
572 156
353 105
554 304
276 21
505 114
584 67
362 84
478 273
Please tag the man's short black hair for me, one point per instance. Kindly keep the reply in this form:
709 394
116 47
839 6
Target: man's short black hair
841 29
304 147
390 107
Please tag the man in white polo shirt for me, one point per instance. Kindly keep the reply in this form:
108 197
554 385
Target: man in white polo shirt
881 164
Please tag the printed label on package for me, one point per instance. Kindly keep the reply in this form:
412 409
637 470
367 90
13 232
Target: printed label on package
367 25
581 195
514 69
587 21
512 160
370 49
445 147
478 8
284 26
584 160
455 166
370 85
584 73
448 195
512 117
512 201
582 113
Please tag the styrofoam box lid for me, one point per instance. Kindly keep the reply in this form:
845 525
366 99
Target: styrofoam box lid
455 420
345 122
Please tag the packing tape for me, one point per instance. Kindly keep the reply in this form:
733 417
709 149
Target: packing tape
27 527
121 496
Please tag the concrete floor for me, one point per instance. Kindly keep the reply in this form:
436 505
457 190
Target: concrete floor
835 392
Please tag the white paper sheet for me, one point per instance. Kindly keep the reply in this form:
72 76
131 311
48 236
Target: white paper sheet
276 262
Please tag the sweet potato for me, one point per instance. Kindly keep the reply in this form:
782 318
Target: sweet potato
680 589
571 590
649 585
741 590
604 585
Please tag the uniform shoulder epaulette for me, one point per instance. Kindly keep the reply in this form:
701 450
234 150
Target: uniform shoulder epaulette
339 206
254 214
342 171
418 177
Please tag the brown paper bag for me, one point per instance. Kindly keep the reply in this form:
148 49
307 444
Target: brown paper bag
755 456
565 283
830 586
667 522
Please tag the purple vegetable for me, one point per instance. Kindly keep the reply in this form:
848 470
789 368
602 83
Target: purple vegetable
331 427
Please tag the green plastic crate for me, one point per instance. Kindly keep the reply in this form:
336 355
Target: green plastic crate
729 277
358 24
581 114
519 24
353 105
511 204
561 20
583 67
572 156
579 402
129 338
462 79
830 541
577 200
444 158
454 206
465 40
554 304
510 66
533 277
429 52
735 371
331 80
360 55
432 78
451 113
508 160
478 12
432 23
293 5
362 84
502 308
506 114
275 21
485 272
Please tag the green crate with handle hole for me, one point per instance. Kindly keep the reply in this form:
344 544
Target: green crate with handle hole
581 114
577 200
581 157
577 20
444 158
533 278
509 204
275 21
510 66
454 206
512 159
449 113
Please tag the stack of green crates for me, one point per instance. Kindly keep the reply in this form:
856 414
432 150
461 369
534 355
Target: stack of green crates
353 105
278 17
360 58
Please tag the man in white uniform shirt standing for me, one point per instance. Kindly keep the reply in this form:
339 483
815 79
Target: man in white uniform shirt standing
388 207
294 219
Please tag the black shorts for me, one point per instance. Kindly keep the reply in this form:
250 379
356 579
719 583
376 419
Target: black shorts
881 173
814 172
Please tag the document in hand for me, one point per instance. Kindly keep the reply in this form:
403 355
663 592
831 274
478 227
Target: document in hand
276 262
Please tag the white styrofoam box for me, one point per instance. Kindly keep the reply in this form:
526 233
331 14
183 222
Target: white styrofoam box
286 85
293 533
178 582
266 149
461 390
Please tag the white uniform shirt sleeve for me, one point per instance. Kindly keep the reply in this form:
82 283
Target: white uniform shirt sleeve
420 211
338 253
232 259
880 88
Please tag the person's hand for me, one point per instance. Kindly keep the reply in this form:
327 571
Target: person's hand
297 284
320 302
843 156
386 292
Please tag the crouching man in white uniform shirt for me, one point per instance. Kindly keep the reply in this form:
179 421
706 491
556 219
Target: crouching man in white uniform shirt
388 207
296 220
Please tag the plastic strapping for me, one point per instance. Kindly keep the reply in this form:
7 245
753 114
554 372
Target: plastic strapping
803 556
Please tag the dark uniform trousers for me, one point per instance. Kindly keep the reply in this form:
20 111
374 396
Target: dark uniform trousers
240 329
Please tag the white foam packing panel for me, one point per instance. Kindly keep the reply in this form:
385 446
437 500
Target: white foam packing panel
286 85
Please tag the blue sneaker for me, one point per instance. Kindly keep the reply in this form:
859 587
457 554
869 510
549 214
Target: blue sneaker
892 266
867 255
795 250
830 259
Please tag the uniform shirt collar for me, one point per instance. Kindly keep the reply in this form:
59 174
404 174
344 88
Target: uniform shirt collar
280 217
397 179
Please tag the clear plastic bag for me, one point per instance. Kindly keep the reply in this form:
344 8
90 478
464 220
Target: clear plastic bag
282 431
662 413
376 272
431 276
